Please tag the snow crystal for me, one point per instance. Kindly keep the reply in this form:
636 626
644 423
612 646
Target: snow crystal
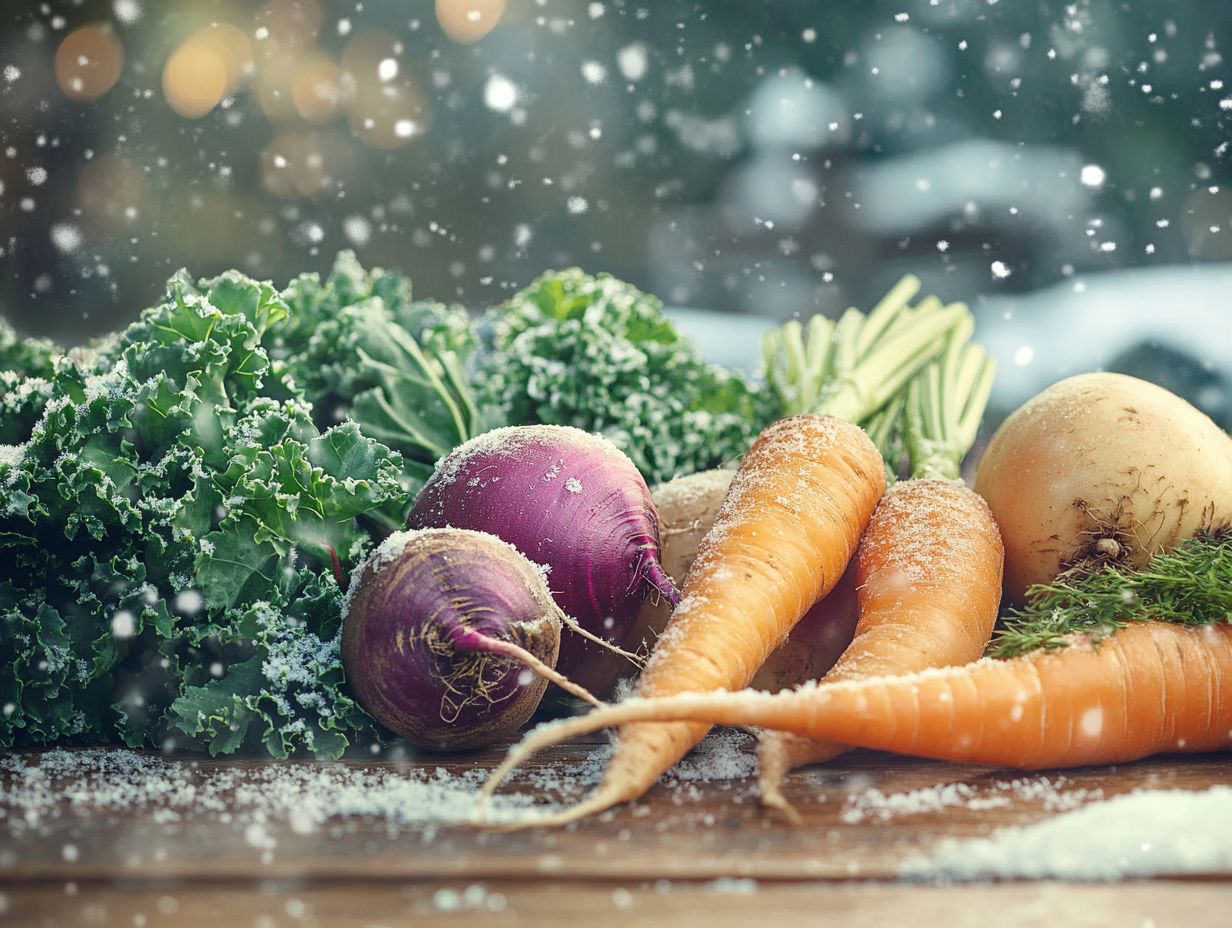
61 783
1092 175
358 230
577 205
573 485
67 238
594 72
1053 794
1146 833
123 624
127 11
36 176
632 61
11 73
11 457
500 94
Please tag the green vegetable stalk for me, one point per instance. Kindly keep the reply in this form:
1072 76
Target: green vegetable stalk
859 366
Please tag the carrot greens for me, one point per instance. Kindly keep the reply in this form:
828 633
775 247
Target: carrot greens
1191 585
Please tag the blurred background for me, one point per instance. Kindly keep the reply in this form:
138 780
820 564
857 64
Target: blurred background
1062 166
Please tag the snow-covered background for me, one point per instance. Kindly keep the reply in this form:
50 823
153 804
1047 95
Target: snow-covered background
766 159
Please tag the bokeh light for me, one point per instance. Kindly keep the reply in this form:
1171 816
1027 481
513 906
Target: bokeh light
319 90
89 62
469 21
209 65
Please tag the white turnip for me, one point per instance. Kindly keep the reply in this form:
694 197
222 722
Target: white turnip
1102 468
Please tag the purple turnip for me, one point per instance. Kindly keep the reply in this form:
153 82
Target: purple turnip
574 503
450 637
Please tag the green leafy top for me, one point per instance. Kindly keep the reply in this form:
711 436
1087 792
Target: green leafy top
945 405
360 347
165 533
854 366
25 357
597 353
1191 585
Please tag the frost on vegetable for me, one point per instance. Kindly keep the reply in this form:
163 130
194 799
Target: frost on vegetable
598 354
166 523
362 347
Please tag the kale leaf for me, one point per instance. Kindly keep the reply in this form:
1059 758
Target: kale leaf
166 526
597 353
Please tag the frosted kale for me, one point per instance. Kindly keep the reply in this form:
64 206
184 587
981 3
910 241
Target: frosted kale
598 354
361 347
28 357
166 523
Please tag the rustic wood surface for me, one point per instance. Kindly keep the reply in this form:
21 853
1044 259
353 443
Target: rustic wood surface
686 856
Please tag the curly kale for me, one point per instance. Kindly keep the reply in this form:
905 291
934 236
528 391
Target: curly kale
597 353
361 348
25 357
166 526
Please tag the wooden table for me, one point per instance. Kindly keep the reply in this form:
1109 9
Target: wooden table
712 858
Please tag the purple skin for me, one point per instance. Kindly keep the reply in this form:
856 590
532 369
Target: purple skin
437 641
574 503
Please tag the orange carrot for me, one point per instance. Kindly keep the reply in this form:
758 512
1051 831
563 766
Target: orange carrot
1150 687
782 538
928 585
929 567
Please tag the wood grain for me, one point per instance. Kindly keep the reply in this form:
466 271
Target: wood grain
658 857
616 905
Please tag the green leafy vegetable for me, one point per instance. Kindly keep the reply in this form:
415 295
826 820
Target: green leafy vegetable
165 534
26 357
596 353
362 348
1191 585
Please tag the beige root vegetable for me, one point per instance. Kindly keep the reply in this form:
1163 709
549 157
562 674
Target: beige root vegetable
1102 468
687 509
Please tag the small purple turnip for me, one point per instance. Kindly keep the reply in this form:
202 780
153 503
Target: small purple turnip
573 502
450 637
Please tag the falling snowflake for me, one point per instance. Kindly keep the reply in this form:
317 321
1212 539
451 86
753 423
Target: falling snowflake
632 61
577 205
65 237
37 176
11 72
594 72
127 11
357 229
500 94
1092 175
999 270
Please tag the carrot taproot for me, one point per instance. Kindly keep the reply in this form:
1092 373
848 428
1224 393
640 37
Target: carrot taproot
1149 688
928 569
783 536
928 586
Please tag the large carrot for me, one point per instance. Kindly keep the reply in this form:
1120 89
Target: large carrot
782 538
928 569
1151 687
